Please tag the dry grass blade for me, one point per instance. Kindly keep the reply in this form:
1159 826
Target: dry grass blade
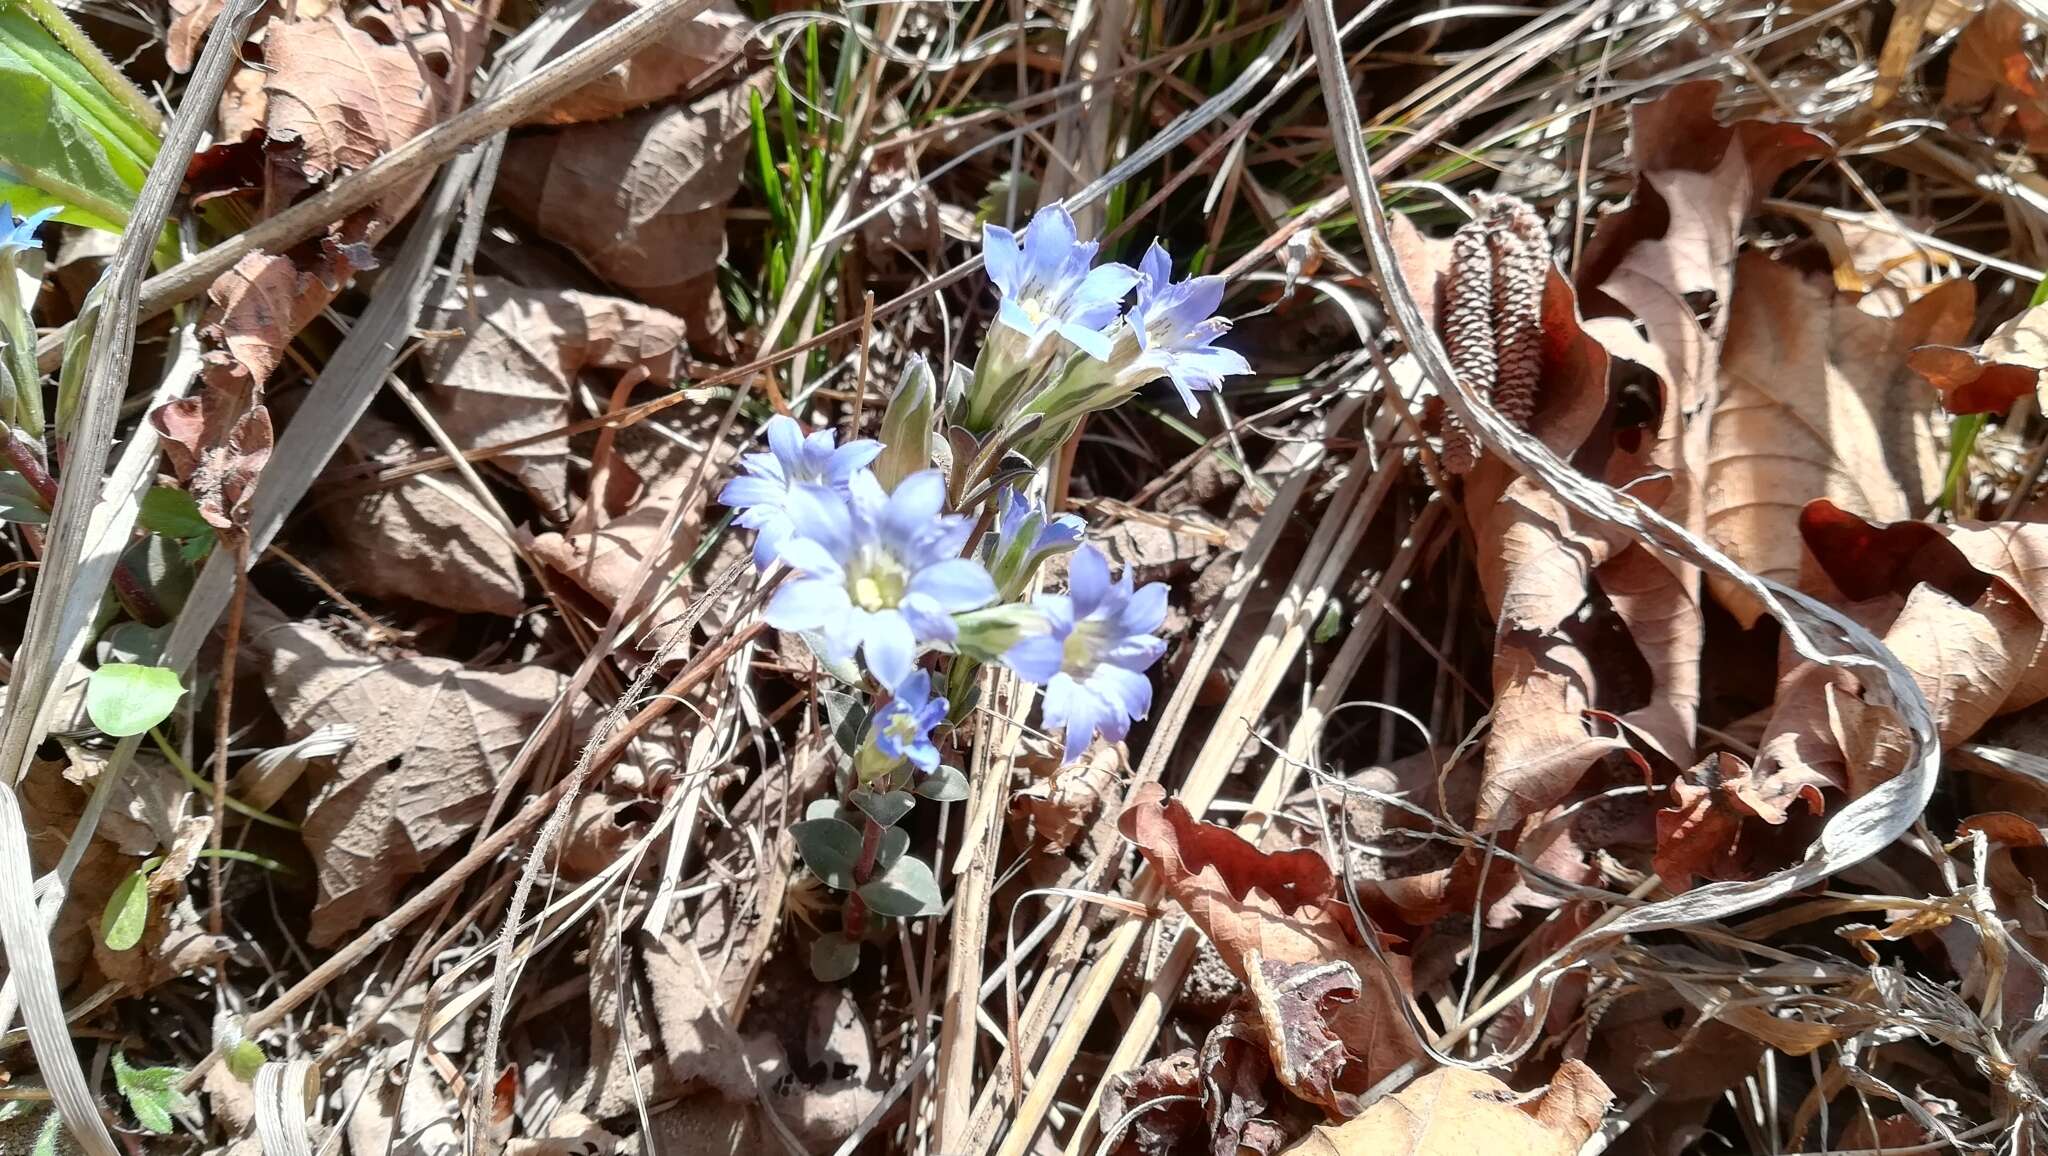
1867 824
31 700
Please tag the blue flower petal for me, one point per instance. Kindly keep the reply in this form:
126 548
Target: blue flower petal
1036 659
889 647
1087 580
807 604
958 584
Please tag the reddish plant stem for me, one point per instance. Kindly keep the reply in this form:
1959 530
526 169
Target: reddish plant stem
238 541
870 846
20 455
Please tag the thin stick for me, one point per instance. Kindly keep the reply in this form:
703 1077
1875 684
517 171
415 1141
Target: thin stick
224 698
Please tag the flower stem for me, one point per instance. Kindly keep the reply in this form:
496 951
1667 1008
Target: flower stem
870 846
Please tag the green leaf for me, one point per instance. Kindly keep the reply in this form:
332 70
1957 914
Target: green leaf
822 809
127 911
895 841
848 715
244 1058
830 848
123 699
884 807
1331 620
945 785
152 1093
65 140
19 501
834 957
172 513
906 889
46 1136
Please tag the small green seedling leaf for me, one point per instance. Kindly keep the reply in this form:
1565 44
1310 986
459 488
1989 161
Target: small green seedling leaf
124 699
46 1136
884 807
945 785
127 911
1328 624
906 889
244 1058
834 957
822 809
830 848
172 513
152 1093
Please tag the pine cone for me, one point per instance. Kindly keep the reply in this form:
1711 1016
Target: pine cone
1521 252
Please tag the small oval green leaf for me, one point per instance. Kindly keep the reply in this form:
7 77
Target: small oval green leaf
834 957
830 848
127 912
124 699
945 785
906 889
884 807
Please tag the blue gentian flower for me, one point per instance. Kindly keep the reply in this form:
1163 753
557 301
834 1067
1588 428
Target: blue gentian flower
1048 287
1092 660
903 729
18 237
1175 329
877 573
1025 537
761 494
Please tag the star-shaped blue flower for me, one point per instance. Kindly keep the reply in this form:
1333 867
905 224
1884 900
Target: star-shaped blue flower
19 237
1176 330
1093 659
761 493
877 573
1048 287
903 728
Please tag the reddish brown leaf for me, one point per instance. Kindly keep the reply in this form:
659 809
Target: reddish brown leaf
665 68
1989 377
1458 1111
1281 908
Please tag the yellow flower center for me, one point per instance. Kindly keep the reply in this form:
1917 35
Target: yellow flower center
877 584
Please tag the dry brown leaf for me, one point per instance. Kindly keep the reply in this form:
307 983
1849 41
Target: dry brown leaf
1702 835
510 372
1272 915
1459 1112
1992 78
1989 377
663 69
432 740
1542 742
422 537
641 199
336 96
1817 401
1063 800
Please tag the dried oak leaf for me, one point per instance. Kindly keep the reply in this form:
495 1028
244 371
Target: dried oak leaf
641 199
1963 606
1280 909
602 564
1701 835
667 67
1161 1129
1458 1111
509 371
433 738
422 537
1817 401
1990 376
336 95
1992 77
1063 800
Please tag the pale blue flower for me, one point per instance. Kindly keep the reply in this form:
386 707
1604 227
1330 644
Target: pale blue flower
903 728
1025 537
1093 658
877 573
761 493
1047 286
1175 327
18 237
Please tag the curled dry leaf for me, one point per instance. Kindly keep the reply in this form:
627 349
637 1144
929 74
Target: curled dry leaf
685 51
1701 835
336 95
1993 79
640 199
509 371
602 563
1063 800
1818 401
1989 377
421 537
1962 605
432 740
1331 1034
1458 1111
